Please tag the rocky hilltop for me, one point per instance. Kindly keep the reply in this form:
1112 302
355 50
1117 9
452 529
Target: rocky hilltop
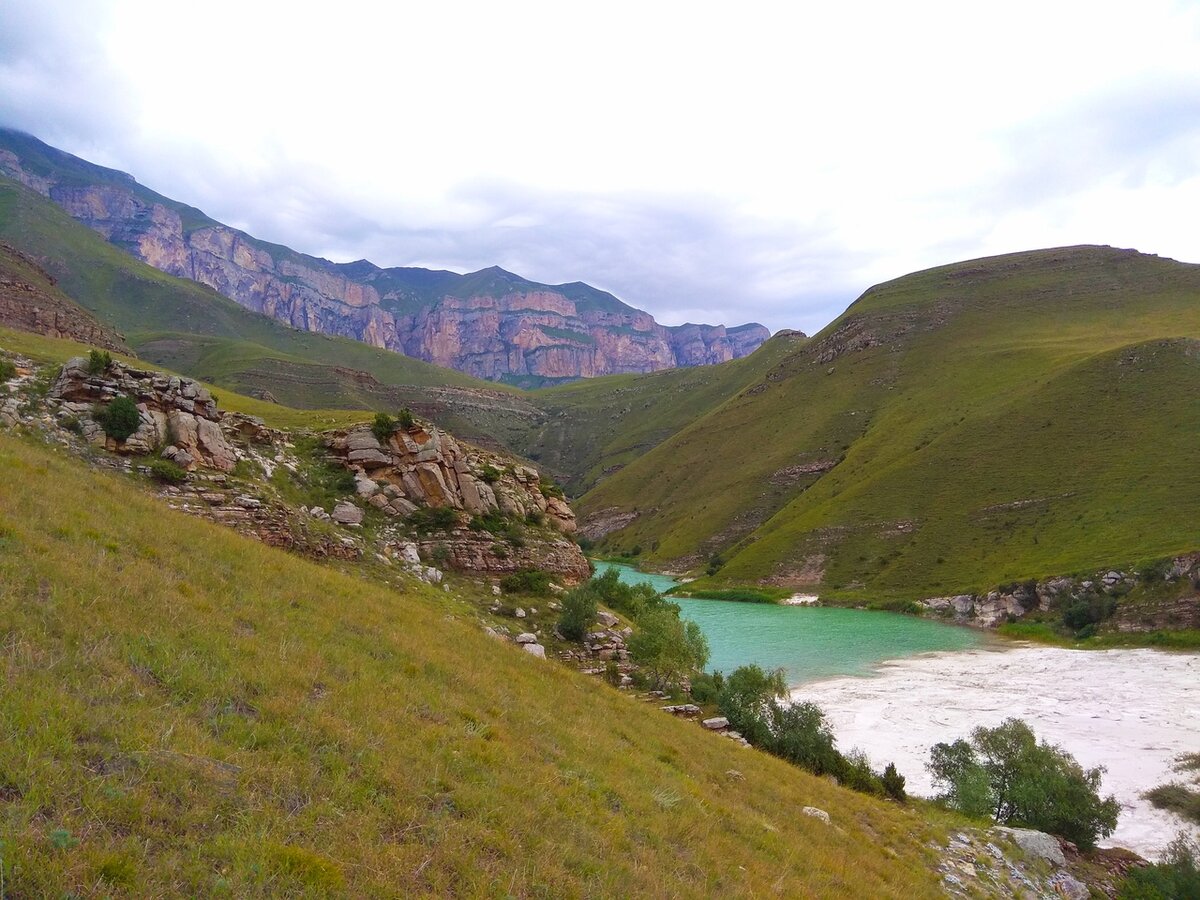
491 324
30 300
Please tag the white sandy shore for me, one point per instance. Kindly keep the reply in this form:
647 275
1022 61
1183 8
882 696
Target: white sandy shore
1132 711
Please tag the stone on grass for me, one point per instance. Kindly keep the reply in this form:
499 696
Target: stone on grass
816 813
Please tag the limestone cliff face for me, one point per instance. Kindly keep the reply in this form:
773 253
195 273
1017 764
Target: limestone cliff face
491 324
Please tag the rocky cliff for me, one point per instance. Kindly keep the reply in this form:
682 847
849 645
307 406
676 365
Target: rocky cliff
491 323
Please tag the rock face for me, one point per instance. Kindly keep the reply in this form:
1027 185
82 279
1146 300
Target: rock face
30 301
491 323
424 466
175 413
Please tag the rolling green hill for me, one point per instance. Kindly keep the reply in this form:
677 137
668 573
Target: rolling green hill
957 428
188 712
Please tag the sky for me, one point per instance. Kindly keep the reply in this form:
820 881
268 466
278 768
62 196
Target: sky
703 161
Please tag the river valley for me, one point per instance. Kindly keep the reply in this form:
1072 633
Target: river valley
894 685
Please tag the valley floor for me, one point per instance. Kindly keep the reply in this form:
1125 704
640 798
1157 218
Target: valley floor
1132 711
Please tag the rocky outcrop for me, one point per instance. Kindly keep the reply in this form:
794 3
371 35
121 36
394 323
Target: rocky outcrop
176 414
1013 601
424 466
491 324
30 301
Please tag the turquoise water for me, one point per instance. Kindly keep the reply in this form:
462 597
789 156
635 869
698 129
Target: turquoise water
806 642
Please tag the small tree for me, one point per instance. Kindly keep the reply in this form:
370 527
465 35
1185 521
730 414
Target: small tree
383 426
800 735
666 647
747 698
119 419
893 783
578 612
8 370
99 362
405 419
1006 772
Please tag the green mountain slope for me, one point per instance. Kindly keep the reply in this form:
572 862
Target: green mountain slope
998 419
187 712
594 428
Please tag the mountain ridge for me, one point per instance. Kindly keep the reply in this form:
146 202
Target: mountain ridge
491 324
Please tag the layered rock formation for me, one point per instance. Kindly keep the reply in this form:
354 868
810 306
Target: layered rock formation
423 466
31 301
491 324
175 413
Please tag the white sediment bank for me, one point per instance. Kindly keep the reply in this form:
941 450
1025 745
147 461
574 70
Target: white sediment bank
1132 711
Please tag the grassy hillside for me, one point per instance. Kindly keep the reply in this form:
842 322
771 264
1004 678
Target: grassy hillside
188 712
595 427
1005 418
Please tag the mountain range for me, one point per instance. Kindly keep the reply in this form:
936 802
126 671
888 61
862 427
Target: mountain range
491 324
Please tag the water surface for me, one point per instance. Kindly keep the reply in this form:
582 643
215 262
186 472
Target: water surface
808 643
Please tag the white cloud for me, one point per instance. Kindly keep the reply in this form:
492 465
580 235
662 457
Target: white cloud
765 163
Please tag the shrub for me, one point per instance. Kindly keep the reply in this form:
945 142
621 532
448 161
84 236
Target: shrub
167 472
500 551
527 581
1177 875
119 419
1005 772
550 489
383 426
706 687
433 518
535 517
99 361
800 735
1089 611
714 564
489 474
8 371
666 646
405 419
578 612
893 783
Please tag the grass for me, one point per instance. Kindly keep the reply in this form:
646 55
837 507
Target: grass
988 422
733 595
188 712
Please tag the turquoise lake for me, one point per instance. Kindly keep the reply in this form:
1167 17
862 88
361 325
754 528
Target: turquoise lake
808 643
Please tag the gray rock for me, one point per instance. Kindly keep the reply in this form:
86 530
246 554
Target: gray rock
716 723
520 613
607 619
347 514
1069 886
527 638
409 553
815 813
535 650
365 487
1036 843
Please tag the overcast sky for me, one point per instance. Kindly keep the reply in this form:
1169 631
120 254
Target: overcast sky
704 161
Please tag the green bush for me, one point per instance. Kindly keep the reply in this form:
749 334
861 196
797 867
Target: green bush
433 518
1176 876
527 581
167 472
489 474
8 370
119 419
383 426
578 612
550 489
99 362
893 783
612 673
405 419
1090 611
667 647
1006 773
706 687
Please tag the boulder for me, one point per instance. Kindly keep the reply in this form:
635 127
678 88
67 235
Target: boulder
815 813
347 514
535 650
1036 843
607 619
716 723
527 638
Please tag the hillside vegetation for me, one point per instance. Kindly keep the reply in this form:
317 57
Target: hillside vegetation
957 428
186 711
